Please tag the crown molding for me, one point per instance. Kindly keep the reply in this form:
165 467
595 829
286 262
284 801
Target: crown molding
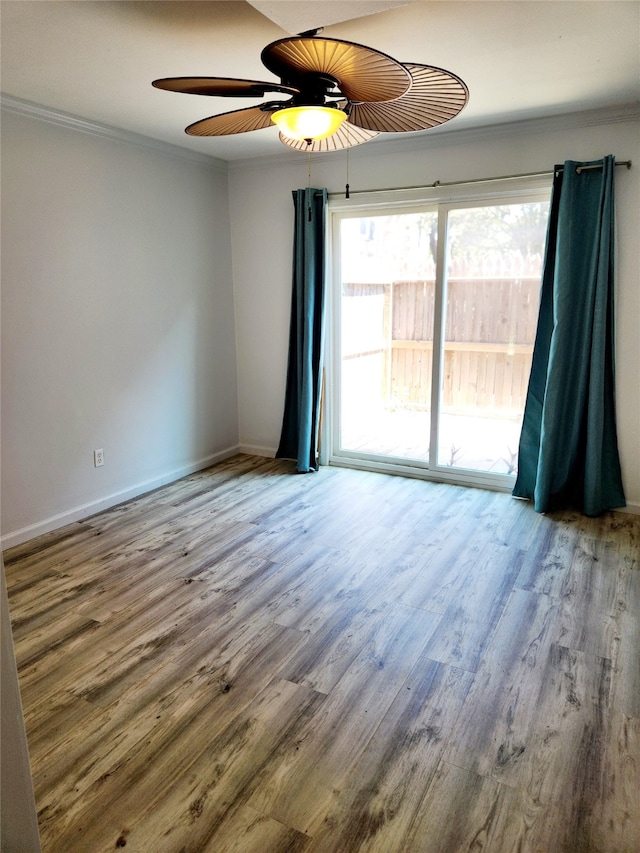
382 145
547 124
445 134
115 134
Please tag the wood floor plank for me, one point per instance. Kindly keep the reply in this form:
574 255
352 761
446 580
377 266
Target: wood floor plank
248 831
600 603
493 740
588 595
385 788
546 562
167 721
446 554
174 690
110 651
198 788
321 760
327 654
564 767
30 558
147 630
323 579
464 811
49 723
251 660
612 822
474 611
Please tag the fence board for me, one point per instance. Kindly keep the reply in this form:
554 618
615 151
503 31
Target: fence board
489 331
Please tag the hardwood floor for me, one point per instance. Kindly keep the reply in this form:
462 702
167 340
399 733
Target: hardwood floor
249 661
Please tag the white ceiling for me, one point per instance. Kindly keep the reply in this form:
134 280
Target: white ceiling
520 59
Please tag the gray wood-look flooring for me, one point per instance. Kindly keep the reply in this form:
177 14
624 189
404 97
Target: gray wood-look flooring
249 661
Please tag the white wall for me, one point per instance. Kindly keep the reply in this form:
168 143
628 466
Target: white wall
262 221
117 321
19 827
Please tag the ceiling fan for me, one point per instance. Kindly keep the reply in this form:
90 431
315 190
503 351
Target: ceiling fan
339 94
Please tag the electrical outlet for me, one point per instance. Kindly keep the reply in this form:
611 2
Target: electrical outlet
98 457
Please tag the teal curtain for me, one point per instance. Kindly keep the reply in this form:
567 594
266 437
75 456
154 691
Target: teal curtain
300 423
568 454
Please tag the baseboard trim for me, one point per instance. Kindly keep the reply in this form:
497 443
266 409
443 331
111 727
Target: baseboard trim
633 508
18 537
254 450
78 513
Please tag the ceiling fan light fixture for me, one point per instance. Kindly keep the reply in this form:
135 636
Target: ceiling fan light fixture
312 122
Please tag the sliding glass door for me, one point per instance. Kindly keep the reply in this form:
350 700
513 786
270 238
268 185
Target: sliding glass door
434 318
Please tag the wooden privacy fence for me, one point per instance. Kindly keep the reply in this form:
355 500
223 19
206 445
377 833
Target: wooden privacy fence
489 332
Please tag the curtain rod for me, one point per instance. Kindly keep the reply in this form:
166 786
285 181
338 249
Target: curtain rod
438 184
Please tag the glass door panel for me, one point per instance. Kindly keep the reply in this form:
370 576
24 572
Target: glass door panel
492 283
387 266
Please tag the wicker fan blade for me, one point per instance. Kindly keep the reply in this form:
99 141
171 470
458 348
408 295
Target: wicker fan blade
237 121
225 87
363 74
434 97
346 136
